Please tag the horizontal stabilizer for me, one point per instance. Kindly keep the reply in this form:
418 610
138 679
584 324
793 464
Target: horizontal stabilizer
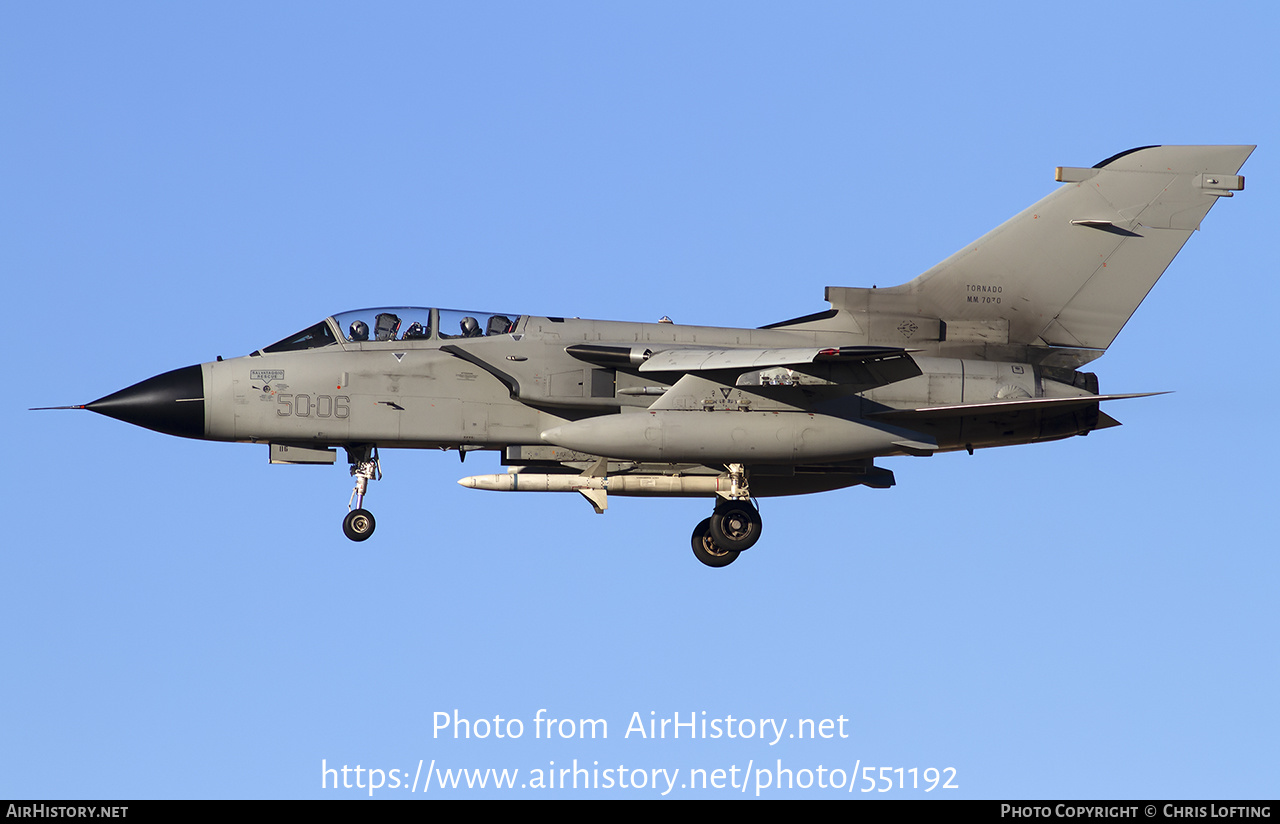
1105 421
933 413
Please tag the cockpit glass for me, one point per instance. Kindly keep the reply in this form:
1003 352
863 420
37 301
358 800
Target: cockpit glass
387 324
455 323
309 338
407 323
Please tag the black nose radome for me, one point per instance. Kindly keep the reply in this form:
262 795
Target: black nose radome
172 403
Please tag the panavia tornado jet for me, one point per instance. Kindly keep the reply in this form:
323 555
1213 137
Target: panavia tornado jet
984 349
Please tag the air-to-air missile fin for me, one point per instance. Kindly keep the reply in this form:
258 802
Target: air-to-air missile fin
598 498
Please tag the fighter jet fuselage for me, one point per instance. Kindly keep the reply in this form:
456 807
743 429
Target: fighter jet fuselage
983 350
557 381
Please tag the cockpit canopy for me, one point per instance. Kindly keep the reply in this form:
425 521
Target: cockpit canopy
401 323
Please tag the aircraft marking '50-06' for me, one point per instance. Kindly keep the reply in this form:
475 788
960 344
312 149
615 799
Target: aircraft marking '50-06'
982 350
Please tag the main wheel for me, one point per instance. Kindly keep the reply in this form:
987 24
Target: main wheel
736 525
705 549
359 524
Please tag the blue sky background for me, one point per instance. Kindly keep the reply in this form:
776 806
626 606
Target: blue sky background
1092 618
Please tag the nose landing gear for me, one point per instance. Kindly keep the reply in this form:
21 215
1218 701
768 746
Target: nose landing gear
365 467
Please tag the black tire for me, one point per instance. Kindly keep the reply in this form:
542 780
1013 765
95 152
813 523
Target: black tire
736 525
359 524
706 551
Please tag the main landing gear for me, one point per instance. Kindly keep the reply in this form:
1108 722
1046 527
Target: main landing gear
733 527
359 523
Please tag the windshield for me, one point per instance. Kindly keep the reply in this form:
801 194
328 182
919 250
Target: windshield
309 338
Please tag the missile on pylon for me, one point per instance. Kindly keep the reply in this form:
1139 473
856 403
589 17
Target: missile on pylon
656 485
596 488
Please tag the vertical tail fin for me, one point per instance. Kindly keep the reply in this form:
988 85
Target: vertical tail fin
1071 269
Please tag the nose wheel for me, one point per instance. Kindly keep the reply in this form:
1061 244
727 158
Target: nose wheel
365 467
359 524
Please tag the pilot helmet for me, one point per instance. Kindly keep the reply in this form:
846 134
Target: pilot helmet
359 330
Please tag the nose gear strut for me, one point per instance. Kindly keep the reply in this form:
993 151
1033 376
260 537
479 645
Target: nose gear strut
365 466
